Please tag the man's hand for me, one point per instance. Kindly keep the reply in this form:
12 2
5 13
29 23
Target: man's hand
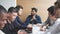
43 28
33 18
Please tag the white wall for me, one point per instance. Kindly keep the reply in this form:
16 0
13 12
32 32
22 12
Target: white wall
8 3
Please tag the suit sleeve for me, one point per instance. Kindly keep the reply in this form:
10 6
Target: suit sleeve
28 20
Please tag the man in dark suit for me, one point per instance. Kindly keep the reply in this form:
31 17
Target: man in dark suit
19 9
14 23
9 28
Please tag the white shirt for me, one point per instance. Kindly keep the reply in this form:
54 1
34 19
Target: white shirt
1 32
55 29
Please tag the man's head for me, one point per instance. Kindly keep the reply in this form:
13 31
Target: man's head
3 17
19 9
57 3
33 11
57 12
12 13
51 10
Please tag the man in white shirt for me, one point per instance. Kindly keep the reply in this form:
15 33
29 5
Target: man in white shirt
55 29
3 17
56 26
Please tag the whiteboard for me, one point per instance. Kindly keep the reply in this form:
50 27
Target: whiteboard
8 3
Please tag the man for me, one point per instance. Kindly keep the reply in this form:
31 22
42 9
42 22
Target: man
57 3
51 17
14 23
19 9
55 29
33 18
56 26
11 25
23 26
19 12
3 17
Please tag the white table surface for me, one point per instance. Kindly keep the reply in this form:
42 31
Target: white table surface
36 30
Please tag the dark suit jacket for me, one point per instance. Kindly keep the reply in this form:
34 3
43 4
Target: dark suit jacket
13 27
9 29
18 23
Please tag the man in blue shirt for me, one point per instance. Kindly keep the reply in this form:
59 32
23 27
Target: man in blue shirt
33 18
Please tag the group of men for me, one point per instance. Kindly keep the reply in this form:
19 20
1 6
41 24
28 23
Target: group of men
11 22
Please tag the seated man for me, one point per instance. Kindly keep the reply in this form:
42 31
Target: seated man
33 18
55 29
3 17
19 12
51 18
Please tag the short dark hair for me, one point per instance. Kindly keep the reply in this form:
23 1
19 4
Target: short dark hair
18 7
2 9
34 9
12 9
57 3
51 10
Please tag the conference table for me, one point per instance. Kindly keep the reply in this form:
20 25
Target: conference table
36 29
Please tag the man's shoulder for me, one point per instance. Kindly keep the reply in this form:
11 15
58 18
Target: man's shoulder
37 15
57 20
